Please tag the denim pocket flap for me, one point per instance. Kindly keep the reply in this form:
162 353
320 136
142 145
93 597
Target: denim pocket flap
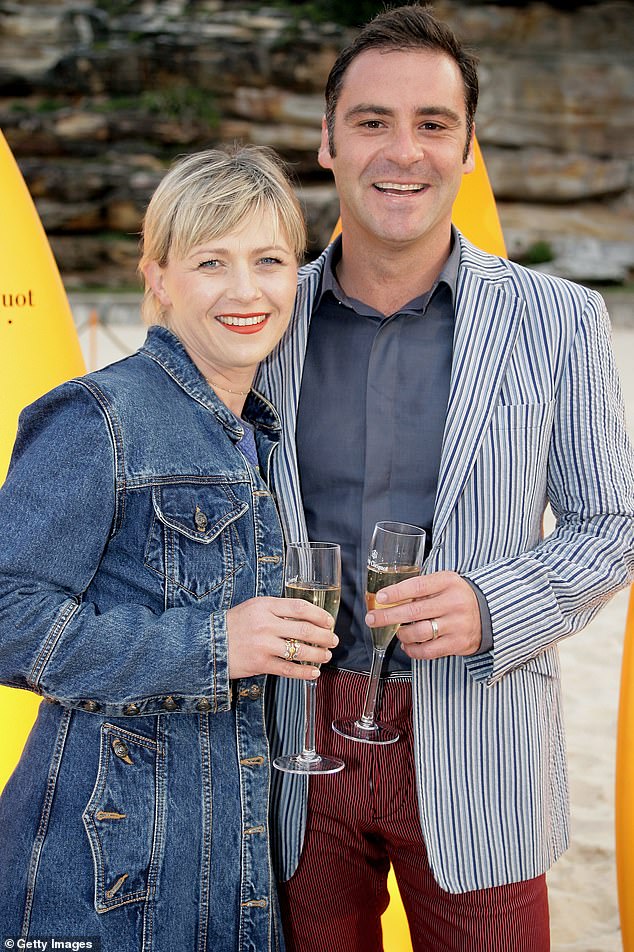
200 512
120 817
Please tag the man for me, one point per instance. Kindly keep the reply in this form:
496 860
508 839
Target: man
426 382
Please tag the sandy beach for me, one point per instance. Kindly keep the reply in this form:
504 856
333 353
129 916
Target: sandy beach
583 896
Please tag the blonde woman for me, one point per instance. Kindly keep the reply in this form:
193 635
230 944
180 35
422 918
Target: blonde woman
140 567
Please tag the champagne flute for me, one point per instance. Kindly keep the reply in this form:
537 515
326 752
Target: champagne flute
397 552
312 572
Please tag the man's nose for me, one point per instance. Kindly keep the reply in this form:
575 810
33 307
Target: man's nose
404 146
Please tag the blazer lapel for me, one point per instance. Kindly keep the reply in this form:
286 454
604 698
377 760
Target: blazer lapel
488 318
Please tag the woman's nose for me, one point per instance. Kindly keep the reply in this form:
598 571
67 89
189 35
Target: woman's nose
244 286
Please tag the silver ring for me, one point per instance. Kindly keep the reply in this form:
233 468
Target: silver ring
292 647
434 628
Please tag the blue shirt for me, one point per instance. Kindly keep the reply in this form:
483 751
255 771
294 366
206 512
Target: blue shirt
370 426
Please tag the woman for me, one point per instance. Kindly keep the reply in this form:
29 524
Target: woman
140 561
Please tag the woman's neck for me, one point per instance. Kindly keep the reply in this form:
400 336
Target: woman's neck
234 399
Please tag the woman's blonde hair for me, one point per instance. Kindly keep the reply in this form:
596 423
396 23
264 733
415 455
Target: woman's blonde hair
210 194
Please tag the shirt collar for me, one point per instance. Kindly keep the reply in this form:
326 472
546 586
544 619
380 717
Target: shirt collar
448 276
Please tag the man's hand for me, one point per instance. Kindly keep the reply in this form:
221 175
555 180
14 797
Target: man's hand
438 615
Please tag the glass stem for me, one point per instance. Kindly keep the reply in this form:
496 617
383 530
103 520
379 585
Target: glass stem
309 752
367 718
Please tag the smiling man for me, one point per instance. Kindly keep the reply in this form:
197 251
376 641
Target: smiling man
427 382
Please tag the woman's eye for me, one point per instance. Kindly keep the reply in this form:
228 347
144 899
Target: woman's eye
210 263
270 260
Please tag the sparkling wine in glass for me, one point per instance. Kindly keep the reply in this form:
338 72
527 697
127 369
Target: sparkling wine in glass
312 572
397 552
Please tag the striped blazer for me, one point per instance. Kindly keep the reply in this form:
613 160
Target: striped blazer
535 417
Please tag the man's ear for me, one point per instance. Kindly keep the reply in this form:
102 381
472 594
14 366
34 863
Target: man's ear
323 156
469 162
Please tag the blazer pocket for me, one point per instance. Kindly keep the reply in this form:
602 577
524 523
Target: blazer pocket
193 541
119 817
523 416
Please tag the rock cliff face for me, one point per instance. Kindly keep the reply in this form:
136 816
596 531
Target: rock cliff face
97 96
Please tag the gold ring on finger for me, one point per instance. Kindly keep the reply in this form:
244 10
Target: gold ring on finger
434 628
292 647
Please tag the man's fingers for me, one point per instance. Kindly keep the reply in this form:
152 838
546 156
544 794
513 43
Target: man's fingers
406 613
421 586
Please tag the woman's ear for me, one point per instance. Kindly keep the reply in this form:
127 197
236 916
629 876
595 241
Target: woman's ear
153 274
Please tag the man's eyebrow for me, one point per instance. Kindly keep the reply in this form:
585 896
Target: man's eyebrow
364 109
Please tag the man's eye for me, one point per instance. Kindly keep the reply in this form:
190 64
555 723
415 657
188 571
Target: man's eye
372 124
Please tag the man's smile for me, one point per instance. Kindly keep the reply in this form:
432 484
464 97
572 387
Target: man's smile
399 186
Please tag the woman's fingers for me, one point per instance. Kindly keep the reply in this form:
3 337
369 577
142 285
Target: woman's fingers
286 637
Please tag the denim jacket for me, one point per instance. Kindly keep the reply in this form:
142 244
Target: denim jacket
131 522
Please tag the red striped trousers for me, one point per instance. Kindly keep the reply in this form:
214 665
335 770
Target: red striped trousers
364 818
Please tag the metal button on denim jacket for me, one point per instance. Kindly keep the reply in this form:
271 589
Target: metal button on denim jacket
132 523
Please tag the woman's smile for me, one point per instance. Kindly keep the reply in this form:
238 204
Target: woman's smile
243 323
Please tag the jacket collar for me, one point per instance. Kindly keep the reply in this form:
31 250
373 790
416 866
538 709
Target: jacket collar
166 350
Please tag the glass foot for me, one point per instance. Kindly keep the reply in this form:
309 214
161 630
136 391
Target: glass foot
376 734
299 763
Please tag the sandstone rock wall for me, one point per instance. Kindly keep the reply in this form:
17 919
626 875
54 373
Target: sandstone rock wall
97 96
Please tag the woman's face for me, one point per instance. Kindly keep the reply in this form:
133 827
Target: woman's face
229 300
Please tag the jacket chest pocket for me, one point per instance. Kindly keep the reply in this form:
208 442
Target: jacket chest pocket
194 541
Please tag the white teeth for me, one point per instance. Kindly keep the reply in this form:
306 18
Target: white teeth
241 321
399 186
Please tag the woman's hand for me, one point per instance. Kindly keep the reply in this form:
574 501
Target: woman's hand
261 631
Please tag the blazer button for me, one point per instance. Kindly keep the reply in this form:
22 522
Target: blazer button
91 706
169 704
131 709
203 705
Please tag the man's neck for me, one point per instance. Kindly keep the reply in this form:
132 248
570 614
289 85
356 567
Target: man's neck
389 278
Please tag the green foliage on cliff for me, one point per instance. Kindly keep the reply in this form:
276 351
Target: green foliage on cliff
182 103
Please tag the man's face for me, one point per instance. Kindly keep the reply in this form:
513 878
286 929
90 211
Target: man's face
399 135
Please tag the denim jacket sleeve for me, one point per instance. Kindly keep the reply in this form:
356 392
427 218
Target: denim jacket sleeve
57 509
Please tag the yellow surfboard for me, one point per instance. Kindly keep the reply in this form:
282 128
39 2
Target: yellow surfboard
38 349
624 804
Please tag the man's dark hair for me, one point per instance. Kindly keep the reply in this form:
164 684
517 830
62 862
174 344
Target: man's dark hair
412 27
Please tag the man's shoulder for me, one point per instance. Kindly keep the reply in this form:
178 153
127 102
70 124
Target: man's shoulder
313 269
529 283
